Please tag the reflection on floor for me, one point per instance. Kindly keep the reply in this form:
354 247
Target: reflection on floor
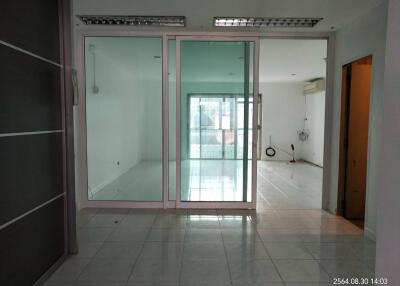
287 241
214 247
280 184
214 180
289 185
143 182
202 180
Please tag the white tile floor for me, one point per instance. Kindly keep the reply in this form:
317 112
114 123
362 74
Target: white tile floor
282 243
180 247
202 180
280 184
289 186
143 182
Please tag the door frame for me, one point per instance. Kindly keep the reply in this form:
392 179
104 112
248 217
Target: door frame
220 205
343 133
80 107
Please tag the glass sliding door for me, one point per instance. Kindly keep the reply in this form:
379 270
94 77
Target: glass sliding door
124 118
215 98
205 134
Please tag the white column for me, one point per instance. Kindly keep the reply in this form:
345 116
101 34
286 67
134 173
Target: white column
388 212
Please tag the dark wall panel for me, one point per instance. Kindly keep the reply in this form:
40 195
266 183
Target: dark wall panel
31 165
29 93
31 25
30 172
30 246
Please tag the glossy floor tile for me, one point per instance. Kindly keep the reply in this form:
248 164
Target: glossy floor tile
210 247
289 186
142 182
209 270
156 270
253 271
280 244
107 270
280 184
295 270
202 180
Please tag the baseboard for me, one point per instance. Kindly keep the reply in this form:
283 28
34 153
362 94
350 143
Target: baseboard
50 271
109 180
105 183
297 160
311 163
369 233
274 160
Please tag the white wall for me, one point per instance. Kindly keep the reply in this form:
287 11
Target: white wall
284 110
151 119
124 119
283 117
312 150
388 227
112 135
365 36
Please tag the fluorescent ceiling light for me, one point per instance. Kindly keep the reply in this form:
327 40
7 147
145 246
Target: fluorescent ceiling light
158 21
265 22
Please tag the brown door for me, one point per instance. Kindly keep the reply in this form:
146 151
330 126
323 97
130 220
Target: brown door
358 96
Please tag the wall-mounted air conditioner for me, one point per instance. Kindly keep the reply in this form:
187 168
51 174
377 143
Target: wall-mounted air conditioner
314 86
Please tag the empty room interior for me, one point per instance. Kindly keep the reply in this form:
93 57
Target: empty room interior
292 93
145 143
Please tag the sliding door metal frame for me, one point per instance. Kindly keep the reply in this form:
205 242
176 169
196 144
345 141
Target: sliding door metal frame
178 121
246 119
165 121
259 126
219 205
81 164
255 121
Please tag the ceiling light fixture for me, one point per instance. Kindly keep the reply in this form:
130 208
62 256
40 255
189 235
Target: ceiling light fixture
157 21
261 22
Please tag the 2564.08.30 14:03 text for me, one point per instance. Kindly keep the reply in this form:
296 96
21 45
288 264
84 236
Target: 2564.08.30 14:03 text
360 281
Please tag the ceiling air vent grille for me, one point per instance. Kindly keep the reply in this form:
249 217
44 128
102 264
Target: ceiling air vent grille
260 22
157 21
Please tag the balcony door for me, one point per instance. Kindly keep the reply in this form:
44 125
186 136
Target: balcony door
215 126
216 157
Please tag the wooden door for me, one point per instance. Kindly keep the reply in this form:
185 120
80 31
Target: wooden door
357 138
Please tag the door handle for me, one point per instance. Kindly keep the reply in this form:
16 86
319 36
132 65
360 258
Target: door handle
75 87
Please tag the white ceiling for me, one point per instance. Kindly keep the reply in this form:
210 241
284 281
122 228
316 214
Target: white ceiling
199 14
292 60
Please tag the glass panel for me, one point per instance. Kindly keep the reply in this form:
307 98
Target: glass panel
123 118
216 88
211 144
195 144
228 126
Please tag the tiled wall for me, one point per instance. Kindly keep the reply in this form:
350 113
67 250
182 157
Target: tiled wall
31 134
